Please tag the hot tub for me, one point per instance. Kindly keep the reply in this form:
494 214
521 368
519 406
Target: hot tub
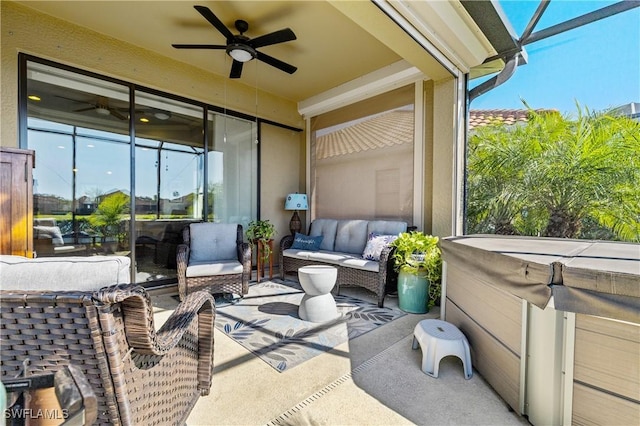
553 324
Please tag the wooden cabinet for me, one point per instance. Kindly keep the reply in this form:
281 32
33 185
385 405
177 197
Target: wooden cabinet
16 201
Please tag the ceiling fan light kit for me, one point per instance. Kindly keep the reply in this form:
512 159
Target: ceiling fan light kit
242 48
241 52
162 115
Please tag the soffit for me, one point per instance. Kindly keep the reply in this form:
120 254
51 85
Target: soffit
337 41
330 50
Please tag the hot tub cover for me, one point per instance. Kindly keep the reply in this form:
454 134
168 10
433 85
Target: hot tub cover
591 277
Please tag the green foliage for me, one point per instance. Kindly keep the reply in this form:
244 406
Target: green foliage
110 212
417 253
555 175
263 231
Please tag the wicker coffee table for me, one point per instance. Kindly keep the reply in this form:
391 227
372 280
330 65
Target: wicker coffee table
318 304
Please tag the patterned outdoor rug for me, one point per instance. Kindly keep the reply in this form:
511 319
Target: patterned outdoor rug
266 323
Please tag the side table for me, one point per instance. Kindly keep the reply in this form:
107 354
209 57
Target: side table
318 304
260 258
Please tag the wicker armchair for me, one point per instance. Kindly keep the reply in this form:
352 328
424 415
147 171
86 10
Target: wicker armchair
213 257
139 376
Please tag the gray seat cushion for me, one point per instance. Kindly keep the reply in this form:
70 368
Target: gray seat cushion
63 273
207 269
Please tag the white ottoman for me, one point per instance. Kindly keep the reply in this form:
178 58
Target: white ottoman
318 304
439 339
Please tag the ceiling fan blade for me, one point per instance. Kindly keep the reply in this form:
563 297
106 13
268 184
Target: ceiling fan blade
276 63
273 38
84 109
117 114
198 46
74 100
213 20
236 69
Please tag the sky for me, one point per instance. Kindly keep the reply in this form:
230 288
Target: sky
597 65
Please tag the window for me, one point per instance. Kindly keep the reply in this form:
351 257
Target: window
79 126
567 168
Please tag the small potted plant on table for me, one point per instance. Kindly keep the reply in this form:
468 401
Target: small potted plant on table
418 260
260 234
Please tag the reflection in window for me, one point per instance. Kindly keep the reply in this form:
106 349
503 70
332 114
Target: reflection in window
83 200
232 170
78 129
366 167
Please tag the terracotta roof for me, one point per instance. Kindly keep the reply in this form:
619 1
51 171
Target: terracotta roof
484 117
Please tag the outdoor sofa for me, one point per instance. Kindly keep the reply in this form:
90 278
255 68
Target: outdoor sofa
359 249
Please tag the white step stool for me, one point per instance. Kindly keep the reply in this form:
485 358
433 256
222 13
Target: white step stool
439 339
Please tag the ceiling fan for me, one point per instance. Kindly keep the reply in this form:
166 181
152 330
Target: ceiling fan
242 48
101 107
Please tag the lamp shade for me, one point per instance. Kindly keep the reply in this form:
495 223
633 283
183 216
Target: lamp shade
296 202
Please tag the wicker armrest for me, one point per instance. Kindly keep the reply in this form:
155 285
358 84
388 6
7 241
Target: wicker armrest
195 312
200 307
182 260
244 252
182 255
138 317
386 254
286 242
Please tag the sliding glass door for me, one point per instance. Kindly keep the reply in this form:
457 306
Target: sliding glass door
115 179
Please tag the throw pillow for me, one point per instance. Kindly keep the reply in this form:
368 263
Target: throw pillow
375 244
306 242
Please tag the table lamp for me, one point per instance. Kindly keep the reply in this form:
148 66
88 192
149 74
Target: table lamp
296 202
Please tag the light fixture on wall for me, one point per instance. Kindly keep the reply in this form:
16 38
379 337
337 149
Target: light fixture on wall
296 202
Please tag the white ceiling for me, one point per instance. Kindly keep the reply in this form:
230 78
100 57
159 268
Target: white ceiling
330 49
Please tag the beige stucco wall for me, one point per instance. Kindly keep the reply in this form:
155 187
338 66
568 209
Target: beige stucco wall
27 31
441 171
282 172
439 157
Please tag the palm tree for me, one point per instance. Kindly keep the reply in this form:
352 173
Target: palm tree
548 176
109 214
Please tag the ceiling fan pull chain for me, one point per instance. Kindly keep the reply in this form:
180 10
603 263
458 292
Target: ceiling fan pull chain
257 103
224 136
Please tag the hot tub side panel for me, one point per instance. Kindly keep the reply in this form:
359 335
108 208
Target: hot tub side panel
491 319
606 379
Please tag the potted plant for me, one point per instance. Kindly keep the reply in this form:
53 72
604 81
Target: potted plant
418 260
259 233
108 219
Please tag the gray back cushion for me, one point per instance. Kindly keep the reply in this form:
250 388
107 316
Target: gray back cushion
327 228
351 236
211 242
63 273
386 227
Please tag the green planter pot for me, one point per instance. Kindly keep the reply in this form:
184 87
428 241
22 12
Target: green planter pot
413 293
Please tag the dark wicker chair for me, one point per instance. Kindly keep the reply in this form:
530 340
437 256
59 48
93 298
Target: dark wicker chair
222 281
139 376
